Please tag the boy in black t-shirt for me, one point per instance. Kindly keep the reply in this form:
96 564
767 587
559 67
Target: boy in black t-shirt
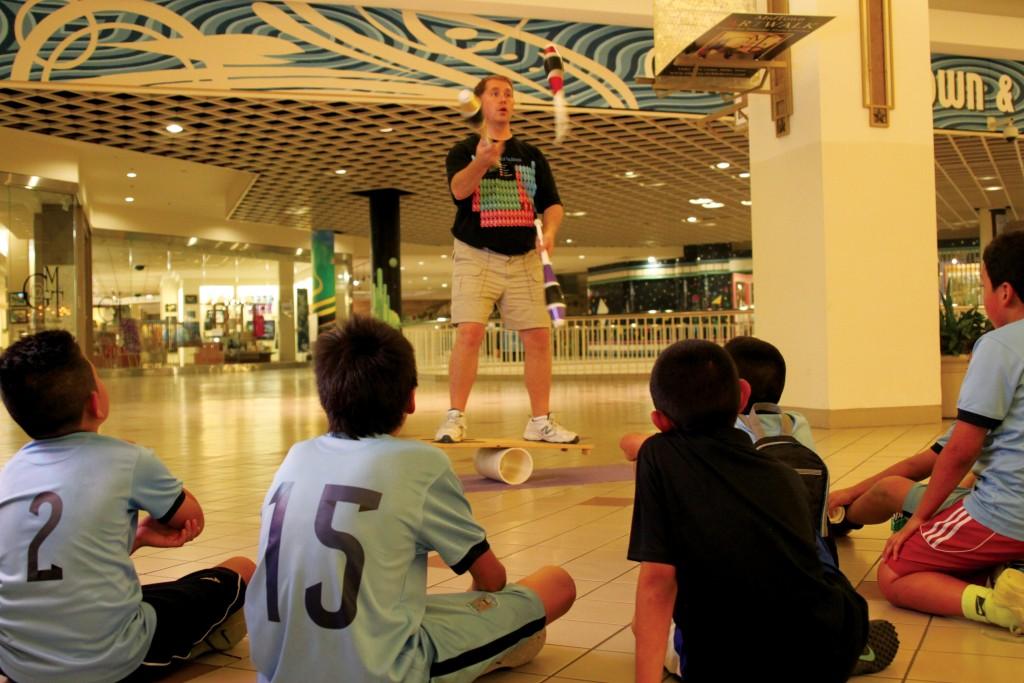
723 536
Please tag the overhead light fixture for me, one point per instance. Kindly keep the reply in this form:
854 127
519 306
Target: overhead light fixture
132 174
340 171
356 283
174 128
652 260
582 257
419 263
744 174
746 202
444 285
577 214
298 252
714 205
32 182
630 174
701 200
444 256
425 278
568 240
387 129
692 219
129 199
955 261
192 241
657 184
993 188
723 165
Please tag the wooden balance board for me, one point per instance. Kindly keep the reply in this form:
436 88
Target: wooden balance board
478 444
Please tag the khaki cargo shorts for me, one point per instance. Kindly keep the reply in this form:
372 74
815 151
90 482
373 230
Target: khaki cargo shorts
482 278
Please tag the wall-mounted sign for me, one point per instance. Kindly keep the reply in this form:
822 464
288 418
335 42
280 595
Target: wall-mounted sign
968 91
170 308
191 298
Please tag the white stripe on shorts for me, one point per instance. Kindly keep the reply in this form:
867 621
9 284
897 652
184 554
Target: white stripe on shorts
946 529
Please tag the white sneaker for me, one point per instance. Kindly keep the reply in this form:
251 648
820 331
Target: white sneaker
1009 593
453 429
523 652
546 429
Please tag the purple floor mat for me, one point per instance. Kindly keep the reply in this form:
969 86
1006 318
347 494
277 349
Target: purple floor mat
561 476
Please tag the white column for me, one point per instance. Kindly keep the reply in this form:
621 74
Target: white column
844 229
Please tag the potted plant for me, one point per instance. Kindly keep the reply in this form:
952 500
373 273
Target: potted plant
957 333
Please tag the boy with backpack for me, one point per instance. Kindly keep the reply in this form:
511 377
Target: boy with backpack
71 607
721 530
341 590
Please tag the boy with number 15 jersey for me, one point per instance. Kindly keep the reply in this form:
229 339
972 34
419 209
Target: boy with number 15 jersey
340 591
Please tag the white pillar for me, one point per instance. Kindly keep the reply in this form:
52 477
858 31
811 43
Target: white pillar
844 229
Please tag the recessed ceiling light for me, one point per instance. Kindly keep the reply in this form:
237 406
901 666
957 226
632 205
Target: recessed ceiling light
723 165
993 188
987 177
340 171
425 278
444 285
129 199
298 252
131 174
714 205
577 213
651 259
192 241
174 128
630 174
746 202
657 184
745 174
955 261
356 283
444 255
582 257
386 129
692 219
568 240
32 182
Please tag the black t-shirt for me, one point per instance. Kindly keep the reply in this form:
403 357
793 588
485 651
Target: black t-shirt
753 597
499 214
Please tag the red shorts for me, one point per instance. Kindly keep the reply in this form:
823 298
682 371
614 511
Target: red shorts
955 543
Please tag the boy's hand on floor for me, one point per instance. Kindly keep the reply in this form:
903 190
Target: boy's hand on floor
840 498
157 535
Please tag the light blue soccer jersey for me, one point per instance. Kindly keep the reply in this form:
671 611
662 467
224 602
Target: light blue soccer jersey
340 589
992 396
70 602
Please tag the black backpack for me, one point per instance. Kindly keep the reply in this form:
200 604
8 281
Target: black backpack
805 462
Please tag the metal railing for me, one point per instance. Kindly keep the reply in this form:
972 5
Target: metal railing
588 345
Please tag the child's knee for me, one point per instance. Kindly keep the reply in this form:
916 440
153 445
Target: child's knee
242 566
890 492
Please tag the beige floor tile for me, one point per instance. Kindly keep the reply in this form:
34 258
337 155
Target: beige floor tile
947 667
579 633
983 640
605 667
552 659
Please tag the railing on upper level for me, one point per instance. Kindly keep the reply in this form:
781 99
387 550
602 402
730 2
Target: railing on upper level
588 345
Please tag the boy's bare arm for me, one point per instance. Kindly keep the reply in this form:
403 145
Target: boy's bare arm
189 510
186 523
488 573
655 599
951 466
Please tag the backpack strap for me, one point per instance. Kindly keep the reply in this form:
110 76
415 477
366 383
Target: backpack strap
785 422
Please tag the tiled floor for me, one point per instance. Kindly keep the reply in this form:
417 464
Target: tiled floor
225 434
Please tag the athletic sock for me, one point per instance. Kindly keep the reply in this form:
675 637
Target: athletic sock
540 418
977 605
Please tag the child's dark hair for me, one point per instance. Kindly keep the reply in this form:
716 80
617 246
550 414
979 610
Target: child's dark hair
762 365
1004 261
694 383
365 375
45 382
481 86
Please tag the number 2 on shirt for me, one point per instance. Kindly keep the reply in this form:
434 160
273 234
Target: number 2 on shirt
332 494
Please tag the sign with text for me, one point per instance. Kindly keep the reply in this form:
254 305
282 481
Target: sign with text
968 91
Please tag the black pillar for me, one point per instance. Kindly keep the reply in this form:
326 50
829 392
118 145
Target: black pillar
385 241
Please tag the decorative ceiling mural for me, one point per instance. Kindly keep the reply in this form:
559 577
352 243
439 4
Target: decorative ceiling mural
302 49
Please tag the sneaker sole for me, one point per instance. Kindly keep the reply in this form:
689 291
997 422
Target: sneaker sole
576 440
522 653
445 439
883 644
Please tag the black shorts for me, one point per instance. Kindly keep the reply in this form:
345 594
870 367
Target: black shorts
187 610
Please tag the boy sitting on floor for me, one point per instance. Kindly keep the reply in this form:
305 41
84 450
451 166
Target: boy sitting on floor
340 592
723 536
939 563
71 607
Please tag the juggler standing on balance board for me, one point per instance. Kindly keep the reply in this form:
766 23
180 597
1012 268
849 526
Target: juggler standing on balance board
499 185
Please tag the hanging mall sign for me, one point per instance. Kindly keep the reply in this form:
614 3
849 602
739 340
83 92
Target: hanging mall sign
968 91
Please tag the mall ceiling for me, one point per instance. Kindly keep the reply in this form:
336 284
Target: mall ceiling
625 179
